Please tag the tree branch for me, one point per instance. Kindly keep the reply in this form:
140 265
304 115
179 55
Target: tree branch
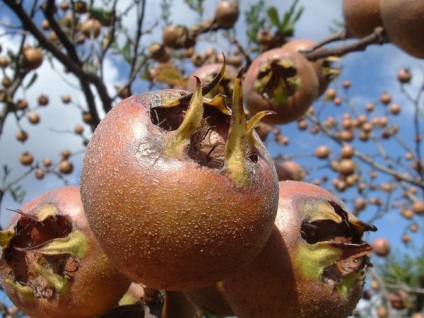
48 10
377 37
69 63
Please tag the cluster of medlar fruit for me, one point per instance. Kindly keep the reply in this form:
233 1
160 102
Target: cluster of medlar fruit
178 193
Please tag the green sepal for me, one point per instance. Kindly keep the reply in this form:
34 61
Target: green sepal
177 140
320 211
75 244
5 237
45 211
236 147
24 292
312 259
252 124
219 103
59 283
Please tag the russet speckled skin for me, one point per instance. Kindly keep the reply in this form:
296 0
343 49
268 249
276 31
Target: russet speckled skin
297 103
361 16
404 23
273 286
97 285
167 223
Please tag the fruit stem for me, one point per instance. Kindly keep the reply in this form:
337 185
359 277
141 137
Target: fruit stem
237 164
177 140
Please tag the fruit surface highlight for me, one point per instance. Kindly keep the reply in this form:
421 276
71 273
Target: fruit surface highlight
179 193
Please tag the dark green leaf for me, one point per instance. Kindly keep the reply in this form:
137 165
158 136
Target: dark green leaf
32 81
298 15
126 50
256 19
18 194
104 17
273 16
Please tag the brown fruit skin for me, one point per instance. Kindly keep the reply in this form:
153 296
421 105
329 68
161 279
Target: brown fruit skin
361 16
33 118
21 135
347 152
66 167
271 285
381 246
346 167
226 13
404 23
404 76
289 170
32 58
177 37
159 53
398 299
26 158
296 104
97 285
43 100
153 217
418 207
322 152
91 27
66 99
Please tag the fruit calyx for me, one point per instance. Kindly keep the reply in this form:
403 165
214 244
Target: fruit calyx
277 80
329 70
209 132
335 236
43 254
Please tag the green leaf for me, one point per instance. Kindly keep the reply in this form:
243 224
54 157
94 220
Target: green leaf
195 5
298 15
286 26
104 17
126 51
18 194
256 19
32 81
273 16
